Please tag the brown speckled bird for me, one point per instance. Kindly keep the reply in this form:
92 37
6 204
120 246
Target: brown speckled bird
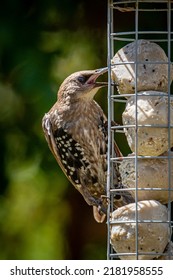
76 131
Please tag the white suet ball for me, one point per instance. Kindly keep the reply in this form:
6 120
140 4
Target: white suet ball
152 110
152 236
152 174
152 67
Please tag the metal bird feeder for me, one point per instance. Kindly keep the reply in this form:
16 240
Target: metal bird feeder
129 22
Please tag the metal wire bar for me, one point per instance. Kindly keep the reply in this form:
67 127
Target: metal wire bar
140 32
139 254
137 8
118 97
141 125
140 189
142 157
143 10
109 30
140 1
169 119
131 40
140 221
141 62
136 128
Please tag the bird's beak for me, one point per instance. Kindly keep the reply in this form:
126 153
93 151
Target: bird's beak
92 79
101 71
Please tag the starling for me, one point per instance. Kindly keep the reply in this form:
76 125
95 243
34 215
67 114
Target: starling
76 131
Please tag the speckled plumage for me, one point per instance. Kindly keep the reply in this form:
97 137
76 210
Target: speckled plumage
76 131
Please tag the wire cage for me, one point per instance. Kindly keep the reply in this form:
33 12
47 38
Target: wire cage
132 85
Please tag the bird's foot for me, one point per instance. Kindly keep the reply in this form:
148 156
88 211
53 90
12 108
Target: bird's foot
105 198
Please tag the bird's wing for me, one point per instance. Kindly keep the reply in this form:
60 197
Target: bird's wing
48 132
49 135
69 155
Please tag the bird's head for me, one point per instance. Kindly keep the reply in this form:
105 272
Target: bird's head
81 84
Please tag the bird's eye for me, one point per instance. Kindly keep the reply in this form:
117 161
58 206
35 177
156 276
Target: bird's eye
82 79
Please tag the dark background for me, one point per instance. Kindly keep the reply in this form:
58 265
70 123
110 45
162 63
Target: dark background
41 42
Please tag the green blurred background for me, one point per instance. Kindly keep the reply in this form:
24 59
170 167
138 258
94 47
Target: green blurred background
41 42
